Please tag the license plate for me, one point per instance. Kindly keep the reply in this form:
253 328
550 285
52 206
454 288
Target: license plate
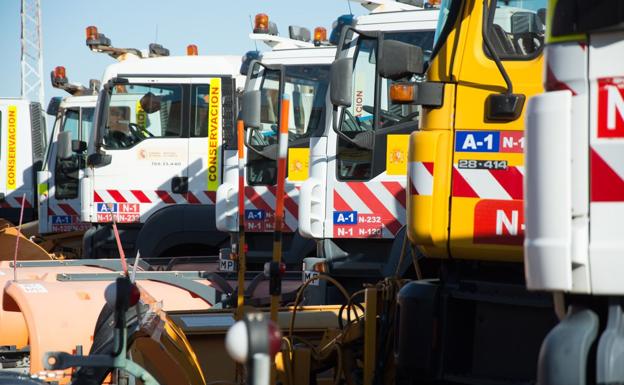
309 274
227 265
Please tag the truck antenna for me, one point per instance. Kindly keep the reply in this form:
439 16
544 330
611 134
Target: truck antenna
349 5
251 23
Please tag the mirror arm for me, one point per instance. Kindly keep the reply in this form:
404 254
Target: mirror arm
254 149
337 120
488 44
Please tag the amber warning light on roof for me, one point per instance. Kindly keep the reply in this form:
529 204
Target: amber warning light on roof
261 23
320 35
92 32
191 50
59 72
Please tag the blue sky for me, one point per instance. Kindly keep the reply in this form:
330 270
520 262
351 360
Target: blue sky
217 27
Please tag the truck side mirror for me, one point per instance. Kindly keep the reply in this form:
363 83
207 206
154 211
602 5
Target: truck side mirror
94 86
64 145
248 58
78 146
251 108
399 60
54 105
341 82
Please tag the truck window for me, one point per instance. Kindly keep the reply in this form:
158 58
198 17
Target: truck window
200 104
86 124
516 28
137 112
71 123
66 170
306 87
394 113
355 163
585 16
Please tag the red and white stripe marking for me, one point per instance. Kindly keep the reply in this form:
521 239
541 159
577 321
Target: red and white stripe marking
15 203
155 197
63 209
263 198
380 205
420 176
607 173
488 184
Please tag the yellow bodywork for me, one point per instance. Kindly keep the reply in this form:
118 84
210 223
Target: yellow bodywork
441 224
191 346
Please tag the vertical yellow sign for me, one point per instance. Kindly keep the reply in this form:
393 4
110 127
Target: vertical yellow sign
214 133
11 179
141 116
298 164
396 154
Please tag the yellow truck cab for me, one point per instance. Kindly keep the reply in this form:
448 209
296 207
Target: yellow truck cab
466 162
471 318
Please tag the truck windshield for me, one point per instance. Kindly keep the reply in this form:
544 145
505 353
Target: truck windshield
136 112
306 87
584 16
445 9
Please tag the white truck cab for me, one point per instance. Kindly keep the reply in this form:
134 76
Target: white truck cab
353 204
574 183
22 149
155 156
304 69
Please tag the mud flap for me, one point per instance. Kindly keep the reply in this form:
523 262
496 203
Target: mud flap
610 355
415 341
563 355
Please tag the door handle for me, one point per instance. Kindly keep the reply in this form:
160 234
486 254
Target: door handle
179 184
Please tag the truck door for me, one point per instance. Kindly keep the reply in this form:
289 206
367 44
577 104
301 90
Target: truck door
146 135
306 87
62 206
366 181
213 107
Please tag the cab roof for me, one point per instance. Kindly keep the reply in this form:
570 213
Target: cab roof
175 65
420 19
79 101
314 55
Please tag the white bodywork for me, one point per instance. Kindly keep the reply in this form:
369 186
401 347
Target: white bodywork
227 204
138 180
575 170
17 154
382 211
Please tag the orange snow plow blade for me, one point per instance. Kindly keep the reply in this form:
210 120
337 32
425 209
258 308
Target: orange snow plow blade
12 321
27 251
55 307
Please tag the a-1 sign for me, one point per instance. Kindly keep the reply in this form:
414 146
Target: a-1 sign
611 107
